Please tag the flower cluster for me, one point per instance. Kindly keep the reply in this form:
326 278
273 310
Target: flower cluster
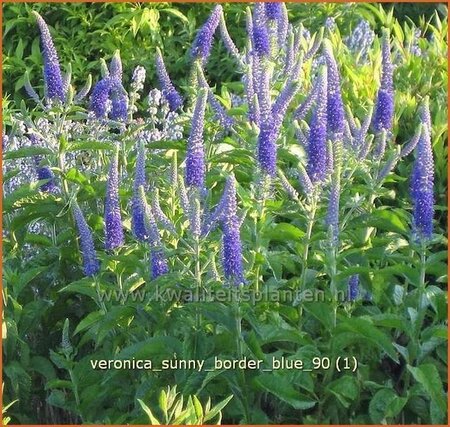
272 66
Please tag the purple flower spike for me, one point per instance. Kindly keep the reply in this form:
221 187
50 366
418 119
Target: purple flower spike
384 106
45 172
113 222
158 260
335 106
115 67
137 207
267 148
90 262
273 10
158 263
169 92
421 187
219 111
231 241
261 41
283 25
53 81
119 100
317 145
203 41
353 287
283 101
227 40
99 98
195 157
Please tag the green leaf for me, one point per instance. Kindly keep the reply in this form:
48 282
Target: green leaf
26 277
388 220
88 321
44 367
321 311
57 383
281 388
428 376
284 231
385 404
345 389
85 286
216 409
27 152
370 334
153 420
161 346
177 13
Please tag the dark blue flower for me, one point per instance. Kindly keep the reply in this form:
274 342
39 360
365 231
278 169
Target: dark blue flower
100 97
203 41
267 148
137 207
115 67
169 92
384 105
158 262
53 81
195 157
45 172
119 102
422 186
317 144
231 241
353 287
335 106
113 223
273 10
90 261
261 41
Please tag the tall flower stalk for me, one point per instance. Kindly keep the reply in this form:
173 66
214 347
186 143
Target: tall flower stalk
231 242
317 144
114 236
53 81
384 105
169 92
201 47
158 261
195 157
91 264
137 208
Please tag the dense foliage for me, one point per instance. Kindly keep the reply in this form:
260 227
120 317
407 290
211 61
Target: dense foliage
228 185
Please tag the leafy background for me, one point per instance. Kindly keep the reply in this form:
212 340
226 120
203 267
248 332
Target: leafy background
49 382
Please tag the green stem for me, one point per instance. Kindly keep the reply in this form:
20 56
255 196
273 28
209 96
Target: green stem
305 255
309 227
259 219
62 167
198 281
421 291
240 352
333 286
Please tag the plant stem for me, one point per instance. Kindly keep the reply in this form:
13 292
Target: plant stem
305 255
421 311
309 227
239 349
333 286
62 167
198 281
